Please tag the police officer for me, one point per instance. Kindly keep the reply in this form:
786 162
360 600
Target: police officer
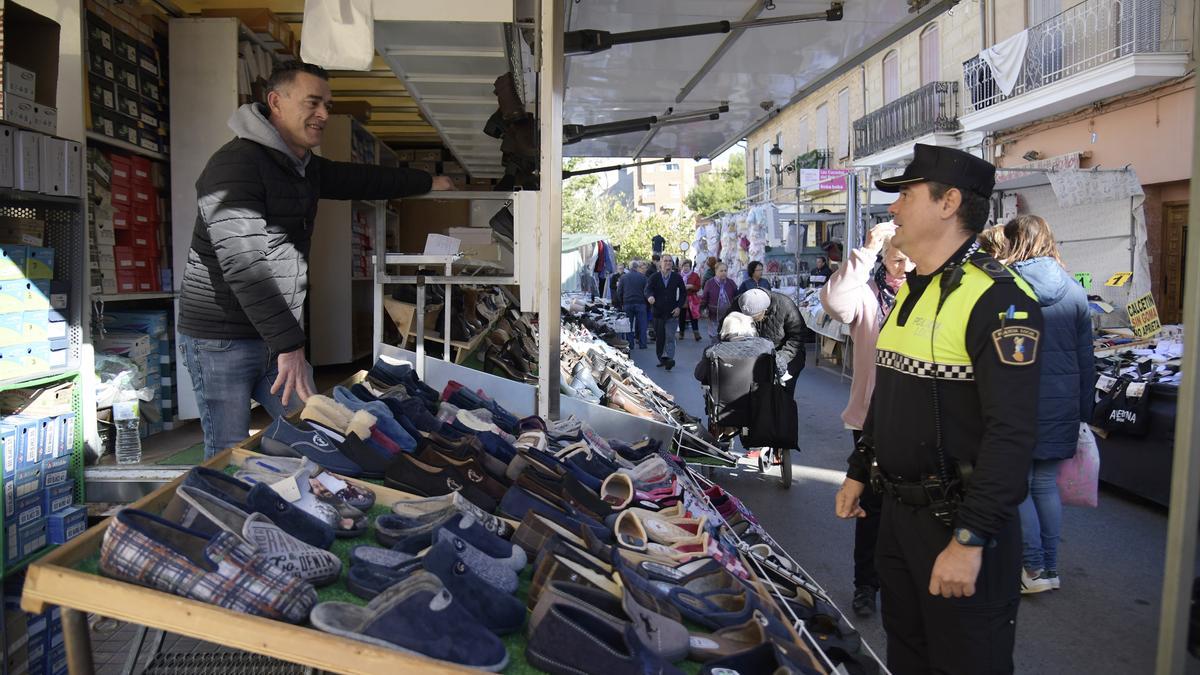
951 428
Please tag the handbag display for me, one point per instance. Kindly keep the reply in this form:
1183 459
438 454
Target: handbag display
1079 476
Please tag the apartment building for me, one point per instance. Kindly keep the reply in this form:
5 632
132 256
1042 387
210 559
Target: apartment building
655 188
1097 83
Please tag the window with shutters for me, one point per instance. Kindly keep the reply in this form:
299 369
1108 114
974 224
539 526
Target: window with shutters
802 138
891 77
1037 11
821 130
843 148
931 56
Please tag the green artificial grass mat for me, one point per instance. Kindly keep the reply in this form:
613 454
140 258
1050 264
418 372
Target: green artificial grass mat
188 456
337 591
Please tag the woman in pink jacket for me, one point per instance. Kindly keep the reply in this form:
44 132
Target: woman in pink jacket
861 295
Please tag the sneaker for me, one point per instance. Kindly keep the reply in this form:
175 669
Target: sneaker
1052 576
863 603
1035 583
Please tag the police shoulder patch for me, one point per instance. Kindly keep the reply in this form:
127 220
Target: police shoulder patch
1016 345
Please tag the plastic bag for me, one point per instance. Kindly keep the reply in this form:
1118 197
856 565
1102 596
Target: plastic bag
338 34
1079 477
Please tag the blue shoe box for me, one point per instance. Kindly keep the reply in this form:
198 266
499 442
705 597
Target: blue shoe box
56 471
57 352
63 526
48 433
66 434
29 441
36 357
36 325
12 261
58 497
10 449
13 293
12 329
39 264
33 537
56 657
26 509
22 483
36 629
37 294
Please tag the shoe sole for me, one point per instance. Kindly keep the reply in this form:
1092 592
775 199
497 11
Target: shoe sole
1033 590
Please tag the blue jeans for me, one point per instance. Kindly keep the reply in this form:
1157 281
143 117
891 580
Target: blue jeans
1041 516
637 320
226 375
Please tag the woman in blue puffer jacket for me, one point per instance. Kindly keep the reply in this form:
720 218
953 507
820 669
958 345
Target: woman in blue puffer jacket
1066 395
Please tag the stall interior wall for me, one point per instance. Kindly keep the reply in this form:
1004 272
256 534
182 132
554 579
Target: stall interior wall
1094 238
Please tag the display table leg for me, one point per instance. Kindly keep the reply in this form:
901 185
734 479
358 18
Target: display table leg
78 641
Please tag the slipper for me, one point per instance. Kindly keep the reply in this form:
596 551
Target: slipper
347 522
725 642
416 616
360 498
414 508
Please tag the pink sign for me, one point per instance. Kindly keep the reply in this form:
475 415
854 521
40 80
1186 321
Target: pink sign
823 179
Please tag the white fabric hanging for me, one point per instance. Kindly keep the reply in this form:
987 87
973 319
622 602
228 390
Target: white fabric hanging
338 34
1005 59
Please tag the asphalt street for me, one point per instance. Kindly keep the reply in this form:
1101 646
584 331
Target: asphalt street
1103 620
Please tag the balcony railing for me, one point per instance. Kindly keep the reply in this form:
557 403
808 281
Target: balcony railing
933 107
754 188
1087 35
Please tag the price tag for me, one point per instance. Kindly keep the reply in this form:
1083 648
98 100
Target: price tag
1105 383
1119 279
1084 279
1135 389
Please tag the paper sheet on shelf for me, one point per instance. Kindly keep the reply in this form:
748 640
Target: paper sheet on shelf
440 244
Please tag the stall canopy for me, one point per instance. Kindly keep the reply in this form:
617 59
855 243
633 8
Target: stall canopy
755 71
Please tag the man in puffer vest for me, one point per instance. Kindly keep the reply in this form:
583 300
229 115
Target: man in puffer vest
242 300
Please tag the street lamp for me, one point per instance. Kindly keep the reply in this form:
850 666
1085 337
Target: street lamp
776 157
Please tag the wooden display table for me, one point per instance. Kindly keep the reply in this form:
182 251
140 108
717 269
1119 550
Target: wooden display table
404 316
56 580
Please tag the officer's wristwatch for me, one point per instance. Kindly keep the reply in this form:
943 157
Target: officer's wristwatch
968 538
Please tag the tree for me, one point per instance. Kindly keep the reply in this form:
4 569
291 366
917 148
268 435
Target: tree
719 190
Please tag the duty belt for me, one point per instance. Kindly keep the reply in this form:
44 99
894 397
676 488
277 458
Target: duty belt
917 493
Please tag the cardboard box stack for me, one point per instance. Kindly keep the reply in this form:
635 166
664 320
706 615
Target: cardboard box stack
33 643
127 250
33 317
126 84
38 437
158 364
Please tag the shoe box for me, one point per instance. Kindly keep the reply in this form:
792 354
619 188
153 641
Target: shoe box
125 87
127 236
33 643
146 336
38 162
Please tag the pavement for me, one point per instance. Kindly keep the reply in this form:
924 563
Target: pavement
1103 620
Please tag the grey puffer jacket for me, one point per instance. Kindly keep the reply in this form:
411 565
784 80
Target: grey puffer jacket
1065 395
247 270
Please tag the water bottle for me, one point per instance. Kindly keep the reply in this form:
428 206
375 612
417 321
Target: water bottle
129 441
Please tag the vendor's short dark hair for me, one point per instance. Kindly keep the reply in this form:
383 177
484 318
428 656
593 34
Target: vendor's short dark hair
822 258
974 210
284 73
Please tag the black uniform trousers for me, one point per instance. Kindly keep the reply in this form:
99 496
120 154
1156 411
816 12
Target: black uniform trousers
929 634
866 533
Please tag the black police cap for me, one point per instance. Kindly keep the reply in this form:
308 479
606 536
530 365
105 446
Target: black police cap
947 166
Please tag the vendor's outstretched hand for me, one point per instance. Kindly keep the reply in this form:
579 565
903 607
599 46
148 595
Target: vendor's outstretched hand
846 504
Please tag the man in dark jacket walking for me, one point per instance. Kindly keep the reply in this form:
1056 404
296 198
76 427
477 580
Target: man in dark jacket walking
667 297
631 289
242 299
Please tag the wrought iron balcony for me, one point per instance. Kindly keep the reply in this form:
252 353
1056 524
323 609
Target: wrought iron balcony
754 188
1085 36
933 107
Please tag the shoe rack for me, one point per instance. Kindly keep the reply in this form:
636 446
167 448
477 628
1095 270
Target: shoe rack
449 271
